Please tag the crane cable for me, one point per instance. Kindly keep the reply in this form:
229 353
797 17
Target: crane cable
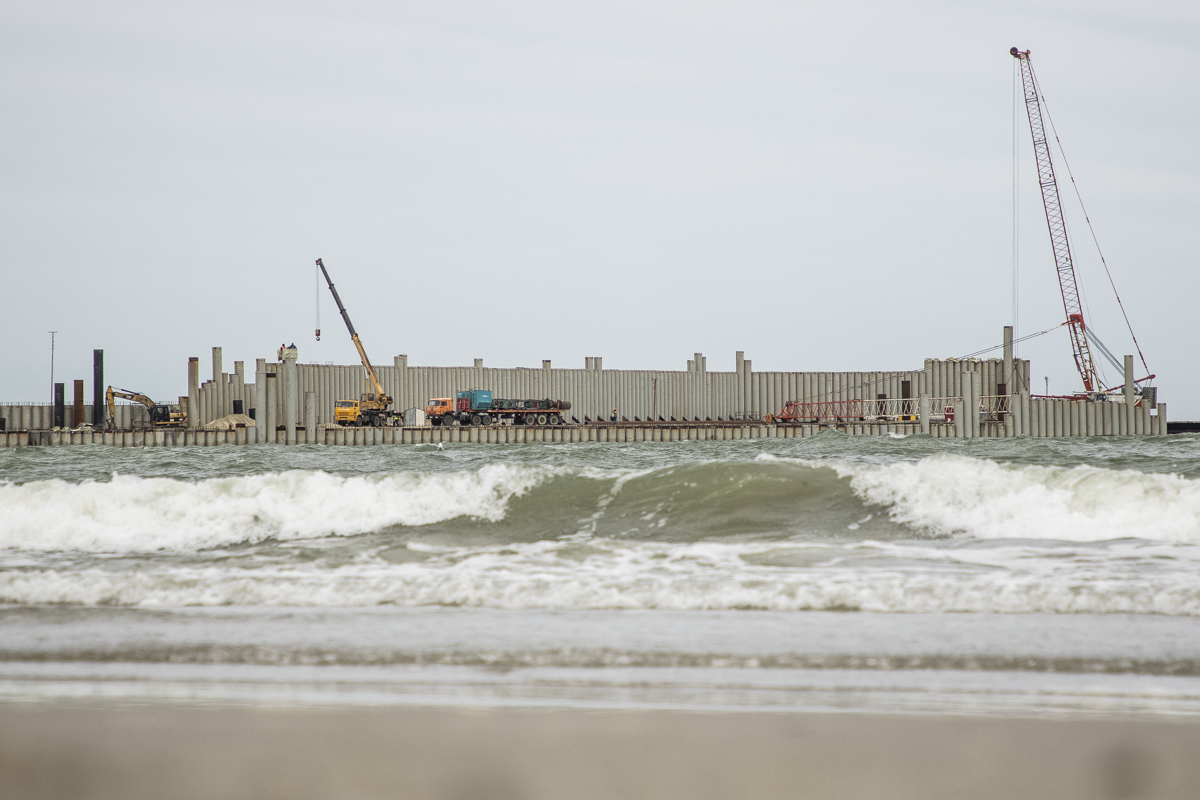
1091 230
1014 341
1025 338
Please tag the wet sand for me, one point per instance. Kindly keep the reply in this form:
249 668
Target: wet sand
135 751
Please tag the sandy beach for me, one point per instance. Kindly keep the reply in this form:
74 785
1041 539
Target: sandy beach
161 750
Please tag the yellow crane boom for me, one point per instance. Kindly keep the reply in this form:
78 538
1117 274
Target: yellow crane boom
379 401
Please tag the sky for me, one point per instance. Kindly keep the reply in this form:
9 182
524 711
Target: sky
823 186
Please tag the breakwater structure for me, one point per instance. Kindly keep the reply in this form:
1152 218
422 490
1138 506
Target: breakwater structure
293 403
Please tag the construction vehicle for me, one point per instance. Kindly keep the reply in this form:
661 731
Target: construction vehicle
372 408
162 415
1082 336
478 407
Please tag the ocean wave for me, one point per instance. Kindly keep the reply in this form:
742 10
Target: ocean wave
952 494
497 502
769 498
131 514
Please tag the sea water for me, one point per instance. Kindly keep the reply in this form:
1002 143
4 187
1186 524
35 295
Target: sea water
832 573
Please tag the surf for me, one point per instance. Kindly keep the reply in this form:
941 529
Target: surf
768 498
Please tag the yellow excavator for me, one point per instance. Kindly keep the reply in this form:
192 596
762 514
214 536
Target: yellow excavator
372 408
161 414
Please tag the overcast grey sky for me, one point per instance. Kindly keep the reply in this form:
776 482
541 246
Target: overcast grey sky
825 186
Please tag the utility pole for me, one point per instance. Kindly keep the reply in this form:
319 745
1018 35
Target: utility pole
52 335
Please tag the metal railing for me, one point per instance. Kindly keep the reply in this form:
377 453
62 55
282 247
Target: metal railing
995 405
941 409
68 404
859 410
26 415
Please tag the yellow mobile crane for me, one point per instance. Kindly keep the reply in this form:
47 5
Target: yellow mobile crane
162 415
372 408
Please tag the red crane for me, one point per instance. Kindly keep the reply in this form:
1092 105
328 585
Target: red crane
1058 227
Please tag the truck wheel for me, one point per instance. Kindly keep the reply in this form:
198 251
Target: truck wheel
358 422
552 419
528 419
475 420
541 418
447 421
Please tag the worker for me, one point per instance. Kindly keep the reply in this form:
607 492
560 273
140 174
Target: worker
613 416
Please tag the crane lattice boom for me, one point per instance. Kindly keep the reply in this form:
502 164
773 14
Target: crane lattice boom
1058 226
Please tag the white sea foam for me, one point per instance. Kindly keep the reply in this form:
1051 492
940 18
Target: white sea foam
131 514
952 494
1128 577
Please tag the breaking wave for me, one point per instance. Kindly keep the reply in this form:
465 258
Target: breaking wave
981 498
770 498
131 514
943 533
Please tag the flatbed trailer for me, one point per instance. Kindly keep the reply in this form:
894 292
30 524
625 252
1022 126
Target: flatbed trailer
478 407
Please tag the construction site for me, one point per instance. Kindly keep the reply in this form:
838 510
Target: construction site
291 403
283 401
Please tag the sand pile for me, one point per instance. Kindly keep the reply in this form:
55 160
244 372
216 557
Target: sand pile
229 422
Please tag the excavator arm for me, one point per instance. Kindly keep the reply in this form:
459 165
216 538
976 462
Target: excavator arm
125 394
375 384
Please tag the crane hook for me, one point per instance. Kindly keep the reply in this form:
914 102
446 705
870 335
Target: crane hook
322 266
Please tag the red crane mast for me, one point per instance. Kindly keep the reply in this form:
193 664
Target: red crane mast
1057 225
